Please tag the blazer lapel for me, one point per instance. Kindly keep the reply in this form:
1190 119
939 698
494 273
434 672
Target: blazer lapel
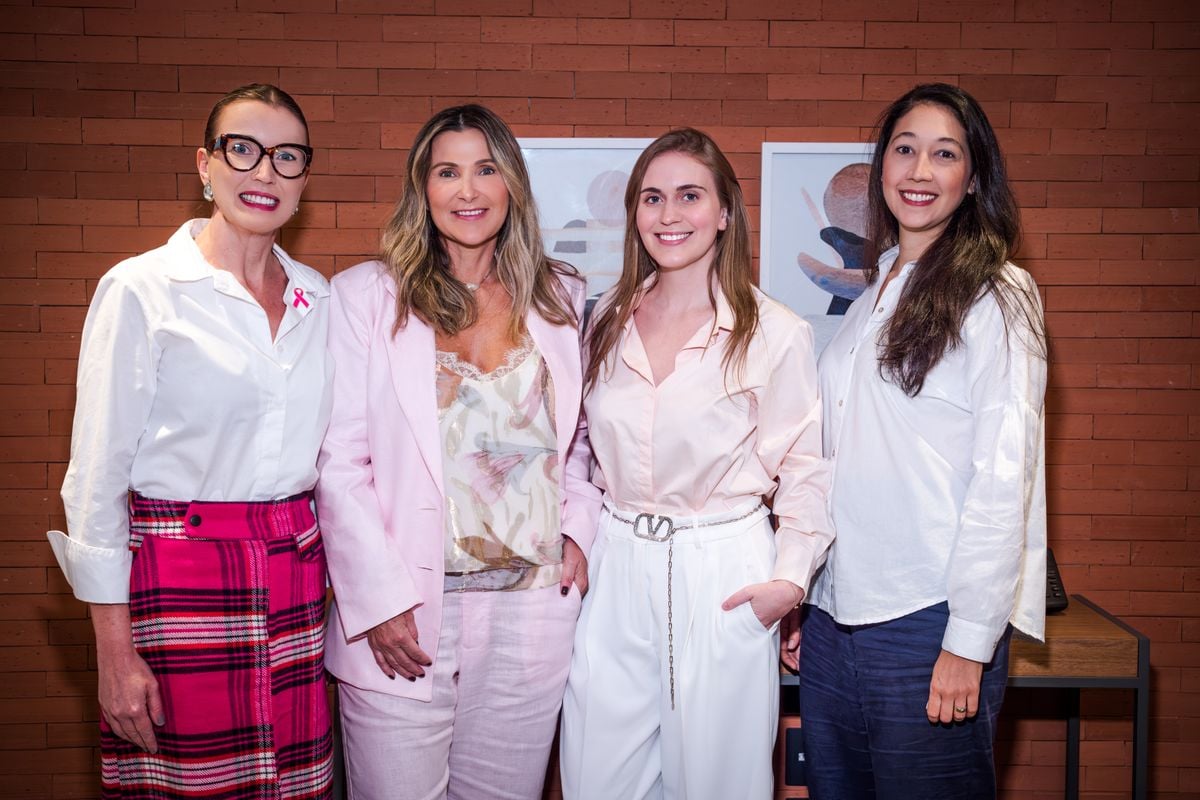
413 367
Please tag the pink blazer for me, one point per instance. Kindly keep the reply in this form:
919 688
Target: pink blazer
380 498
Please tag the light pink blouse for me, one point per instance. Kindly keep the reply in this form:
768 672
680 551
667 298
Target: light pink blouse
699 444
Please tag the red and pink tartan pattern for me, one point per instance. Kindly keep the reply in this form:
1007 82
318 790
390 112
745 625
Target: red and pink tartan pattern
227 602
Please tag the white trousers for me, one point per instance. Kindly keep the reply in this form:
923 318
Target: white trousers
498 680
621 739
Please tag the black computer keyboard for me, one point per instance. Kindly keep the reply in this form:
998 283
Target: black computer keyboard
1056 595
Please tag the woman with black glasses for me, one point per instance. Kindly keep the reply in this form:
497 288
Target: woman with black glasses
202 402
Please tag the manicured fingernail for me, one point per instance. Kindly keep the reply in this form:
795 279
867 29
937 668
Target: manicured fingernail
412 680
160 721
564 591
391 677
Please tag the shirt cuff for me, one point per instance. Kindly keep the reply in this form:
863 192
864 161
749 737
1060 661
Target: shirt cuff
797 557
971 639
96 574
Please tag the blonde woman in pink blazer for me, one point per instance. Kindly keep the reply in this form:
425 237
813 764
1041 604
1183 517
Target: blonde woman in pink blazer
454 490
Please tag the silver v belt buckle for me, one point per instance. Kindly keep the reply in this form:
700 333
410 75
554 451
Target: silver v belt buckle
653 527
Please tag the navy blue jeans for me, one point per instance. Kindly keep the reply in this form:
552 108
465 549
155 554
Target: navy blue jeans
863 691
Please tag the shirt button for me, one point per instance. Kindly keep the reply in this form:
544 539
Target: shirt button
879 309
851 349
839 403
194 520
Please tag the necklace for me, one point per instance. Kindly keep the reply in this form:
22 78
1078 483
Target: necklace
474 287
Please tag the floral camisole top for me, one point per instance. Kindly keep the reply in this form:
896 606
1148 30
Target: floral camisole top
501 470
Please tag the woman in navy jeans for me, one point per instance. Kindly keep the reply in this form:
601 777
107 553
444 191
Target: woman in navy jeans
932 392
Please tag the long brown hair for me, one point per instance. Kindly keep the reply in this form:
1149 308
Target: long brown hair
731 263
417 259
964 263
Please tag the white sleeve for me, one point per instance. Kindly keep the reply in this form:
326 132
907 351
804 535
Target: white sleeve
118 361
1007 380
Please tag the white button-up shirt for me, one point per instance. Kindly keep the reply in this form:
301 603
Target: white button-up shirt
938 497
183 395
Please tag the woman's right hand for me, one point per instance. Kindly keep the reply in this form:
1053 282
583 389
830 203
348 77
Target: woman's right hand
394 645
789 640
129 696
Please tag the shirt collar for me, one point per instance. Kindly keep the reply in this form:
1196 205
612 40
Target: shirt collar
637 298
725 317
724 320
888 258
307 279
186 263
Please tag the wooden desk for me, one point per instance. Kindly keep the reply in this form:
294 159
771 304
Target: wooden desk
1086 647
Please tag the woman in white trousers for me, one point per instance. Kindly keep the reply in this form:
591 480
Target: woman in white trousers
701 404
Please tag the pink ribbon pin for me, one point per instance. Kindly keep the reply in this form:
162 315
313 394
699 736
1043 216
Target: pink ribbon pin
299 298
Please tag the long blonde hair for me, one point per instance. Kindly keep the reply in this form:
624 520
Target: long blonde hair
731 262
417 259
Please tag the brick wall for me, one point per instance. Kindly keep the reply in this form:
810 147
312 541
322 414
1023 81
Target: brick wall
1097 103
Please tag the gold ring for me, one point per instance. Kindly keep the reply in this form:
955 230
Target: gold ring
958 710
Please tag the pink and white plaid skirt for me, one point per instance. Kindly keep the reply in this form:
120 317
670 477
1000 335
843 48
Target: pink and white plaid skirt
227 602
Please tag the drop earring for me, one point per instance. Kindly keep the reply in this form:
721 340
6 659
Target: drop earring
296 210
208 192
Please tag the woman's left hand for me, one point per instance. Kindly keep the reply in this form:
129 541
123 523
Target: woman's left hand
574 568
769 601
954 689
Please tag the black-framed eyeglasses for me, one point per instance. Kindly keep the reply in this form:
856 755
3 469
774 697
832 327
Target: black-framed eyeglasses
244 152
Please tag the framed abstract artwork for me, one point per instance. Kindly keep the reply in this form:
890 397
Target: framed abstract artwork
579 185
814 201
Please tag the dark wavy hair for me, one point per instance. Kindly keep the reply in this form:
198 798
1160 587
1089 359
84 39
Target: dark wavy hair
967 259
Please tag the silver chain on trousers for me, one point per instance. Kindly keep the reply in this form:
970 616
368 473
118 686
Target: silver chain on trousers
654 523
670 619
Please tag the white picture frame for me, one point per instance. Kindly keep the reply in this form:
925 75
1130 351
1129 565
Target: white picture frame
800 200
579 186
